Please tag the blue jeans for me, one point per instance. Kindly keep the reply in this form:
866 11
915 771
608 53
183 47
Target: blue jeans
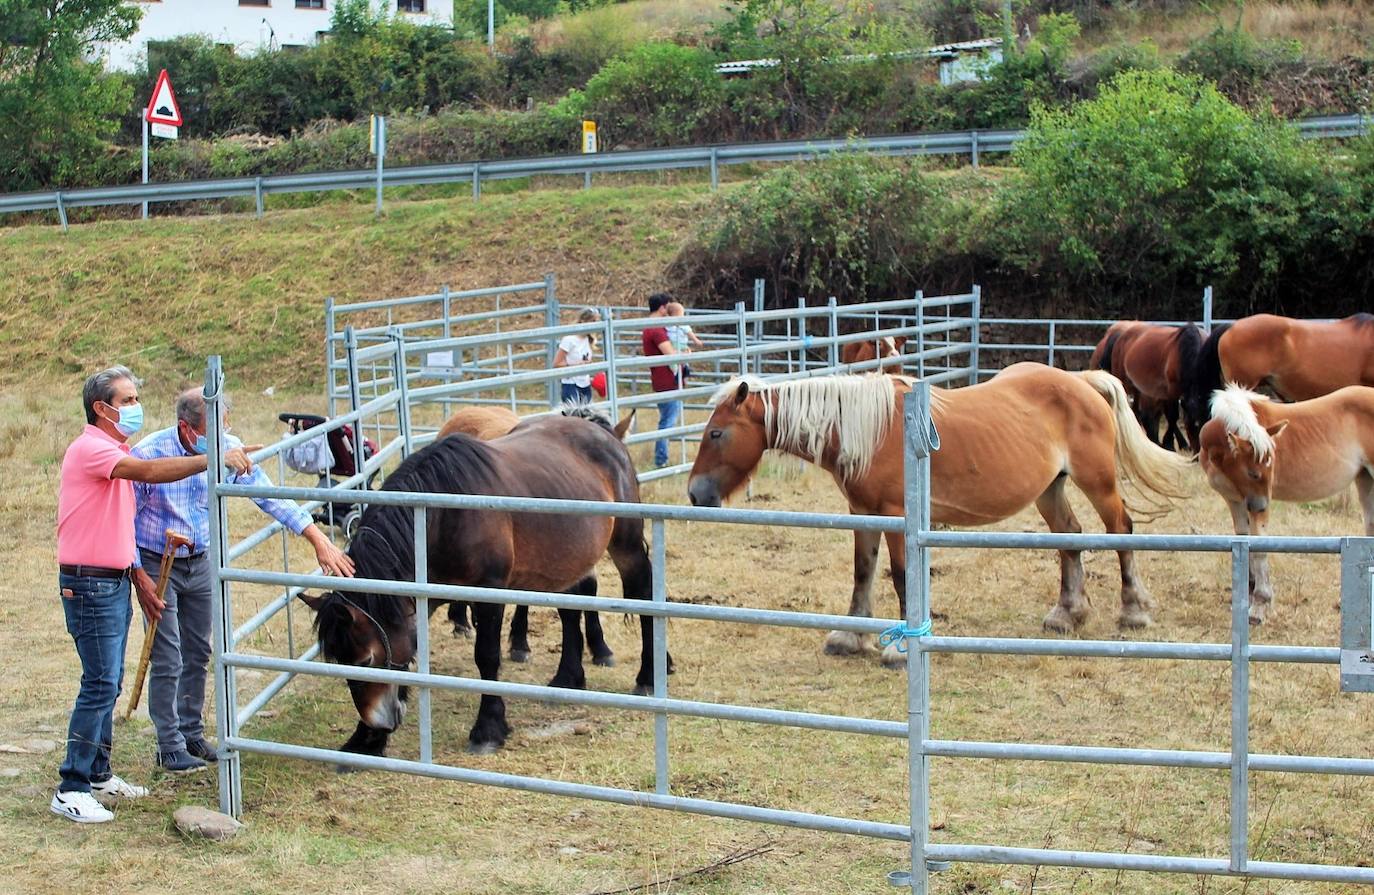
669 412
579 394
98 612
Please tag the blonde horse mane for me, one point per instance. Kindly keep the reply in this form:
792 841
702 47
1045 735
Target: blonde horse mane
1235 407
805 415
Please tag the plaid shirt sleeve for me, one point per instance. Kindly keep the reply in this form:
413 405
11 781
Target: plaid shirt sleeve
176 505
287 512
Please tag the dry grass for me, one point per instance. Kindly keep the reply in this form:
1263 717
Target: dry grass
369 833
1326 30
639 19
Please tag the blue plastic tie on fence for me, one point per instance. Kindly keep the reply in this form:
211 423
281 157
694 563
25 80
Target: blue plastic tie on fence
806 341
898 634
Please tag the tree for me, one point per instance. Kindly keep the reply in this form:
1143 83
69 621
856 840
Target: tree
58 110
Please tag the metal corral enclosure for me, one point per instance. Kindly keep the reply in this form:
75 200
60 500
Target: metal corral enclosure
388 408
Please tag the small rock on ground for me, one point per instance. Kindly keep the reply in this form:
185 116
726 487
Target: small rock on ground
194 820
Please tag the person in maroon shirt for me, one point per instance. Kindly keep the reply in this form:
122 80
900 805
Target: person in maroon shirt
663 378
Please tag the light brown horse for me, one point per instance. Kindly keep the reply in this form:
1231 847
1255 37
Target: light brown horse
1155 363
1255 450
884 347
1005 444
1298 359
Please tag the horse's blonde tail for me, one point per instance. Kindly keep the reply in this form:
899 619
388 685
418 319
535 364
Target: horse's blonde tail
1148 466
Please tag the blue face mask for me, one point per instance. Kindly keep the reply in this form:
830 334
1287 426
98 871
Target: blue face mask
130 419
201 445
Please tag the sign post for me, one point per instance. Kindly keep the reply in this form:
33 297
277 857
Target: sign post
162 117
378 147
588 148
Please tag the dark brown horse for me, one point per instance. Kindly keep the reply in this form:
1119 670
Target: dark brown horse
551 457
1297 359
1155 363
883 346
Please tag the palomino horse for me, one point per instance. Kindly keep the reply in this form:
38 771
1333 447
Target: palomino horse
884 347
552 457
1298 359
1155 363
1005 444
488 423
1255 450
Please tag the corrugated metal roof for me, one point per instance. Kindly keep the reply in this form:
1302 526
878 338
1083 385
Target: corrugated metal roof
942 51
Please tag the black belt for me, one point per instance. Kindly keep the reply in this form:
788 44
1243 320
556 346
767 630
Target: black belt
91 571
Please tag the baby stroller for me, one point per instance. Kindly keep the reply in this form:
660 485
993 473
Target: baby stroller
332 456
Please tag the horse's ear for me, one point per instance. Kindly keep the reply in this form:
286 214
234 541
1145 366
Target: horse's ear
742 392
312 601
898 342
1277 429
624 425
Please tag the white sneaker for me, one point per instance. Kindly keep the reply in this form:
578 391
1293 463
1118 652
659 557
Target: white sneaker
117 786
80 807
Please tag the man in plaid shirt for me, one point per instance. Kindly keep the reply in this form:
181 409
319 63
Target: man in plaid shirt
181 647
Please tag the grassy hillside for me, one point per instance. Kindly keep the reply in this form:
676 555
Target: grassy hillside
165 293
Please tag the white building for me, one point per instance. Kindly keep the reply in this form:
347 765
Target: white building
250 25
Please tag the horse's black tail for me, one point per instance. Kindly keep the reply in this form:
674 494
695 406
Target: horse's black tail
1105 361
1203 376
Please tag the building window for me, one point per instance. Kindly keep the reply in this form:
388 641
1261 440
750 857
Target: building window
255 2
410 5
310 4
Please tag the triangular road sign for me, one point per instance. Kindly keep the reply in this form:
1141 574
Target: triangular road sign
163 108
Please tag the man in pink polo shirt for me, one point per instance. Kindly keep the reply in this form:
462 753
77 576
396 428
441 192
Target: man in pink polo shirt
95 548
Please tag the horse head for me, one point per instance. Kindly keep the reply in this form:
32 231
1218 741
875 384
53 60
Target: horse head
731 446
352 631
1240 469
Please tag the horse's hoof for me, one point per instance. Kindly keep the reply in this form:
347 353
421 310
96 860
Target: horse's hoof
1058 621
1134 621
347 769
462 632
893 659
606 661
483 748
643 690
568 683
520 655
1256 621
842 643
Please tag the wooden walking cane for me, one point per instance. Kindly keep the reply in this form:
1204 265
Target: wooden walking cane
164 571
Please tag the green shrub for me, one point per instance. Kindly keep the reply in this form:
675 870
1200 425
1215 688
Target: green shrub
1161 183
1234 59
851 226
658 94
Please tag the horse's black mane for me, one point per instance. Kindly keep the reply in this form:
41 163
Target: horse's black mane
1105 361
384 546
1190 342
1206 373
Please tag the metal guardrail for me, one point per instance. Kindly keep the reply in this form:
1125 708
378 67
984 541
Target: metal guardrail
971 143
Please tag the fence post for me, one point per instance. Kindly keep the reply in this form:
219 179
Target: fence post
1207 311
660 644
62 212
380 149
476 182
609 351
833 307
801 334
422 633
977 312
447 303
758 324
222 618
1240 705
257 195
973 146
920 439
715 171
355 399
741 327
1050 361
403 385
921 333
551 319
329 357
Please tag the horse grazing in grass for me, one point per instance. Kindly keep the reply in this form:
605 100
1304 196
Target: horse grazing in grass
1255 450
487 423
881 347
1155 363
551 457
1005 444
1297 359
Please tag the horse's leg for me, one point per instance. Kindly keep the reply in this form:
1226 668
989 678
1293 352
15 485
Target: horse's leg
490 729
896 554
365 741
631 560
1364 486
458 617
570 673
1261 589
601 651
519 634
845 643
1072 608
1173 438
